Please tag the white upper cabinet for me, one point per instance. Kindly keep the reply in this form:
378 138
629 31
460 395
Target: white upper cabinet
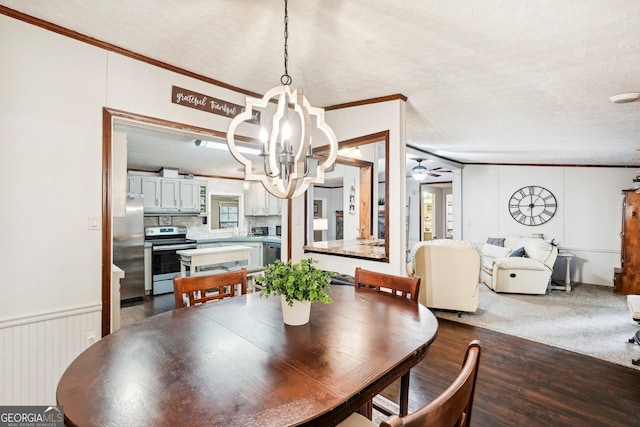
170 198
189 190
273 204
151 188
169 195
259 202
134 184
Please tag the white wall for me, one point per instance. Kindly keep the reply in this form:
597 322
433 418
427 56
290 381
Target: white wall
587 221
53 91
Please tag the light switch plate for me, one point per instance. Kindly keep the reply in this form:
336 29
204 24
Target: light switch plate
94 223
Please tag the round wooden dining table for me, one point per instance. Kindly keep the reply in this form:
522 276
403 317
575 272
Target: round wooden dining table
235 363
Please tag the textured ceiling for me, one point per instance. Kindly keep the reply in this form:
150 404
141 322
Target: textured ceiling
487 82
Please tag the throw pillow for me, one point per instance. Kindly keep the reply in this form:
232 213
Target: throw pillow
517 252
497 241
493 251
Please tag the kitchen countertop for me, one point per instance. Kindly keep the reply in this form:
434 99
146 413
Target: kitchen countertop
366 248
237 239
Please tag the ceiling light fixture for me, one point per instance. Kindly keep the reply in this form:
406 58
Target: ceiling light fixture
623 98
419 172
286 149
215 145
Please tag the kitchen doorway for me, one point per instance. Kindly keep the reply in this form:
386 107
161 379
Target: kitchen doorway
112 175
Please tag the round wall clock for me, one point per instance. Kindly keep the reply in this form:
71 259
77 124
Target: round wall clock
532 205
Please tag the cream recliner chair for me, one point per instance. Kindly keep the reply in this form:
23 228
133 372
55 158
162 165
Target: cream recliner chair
528 273
450 273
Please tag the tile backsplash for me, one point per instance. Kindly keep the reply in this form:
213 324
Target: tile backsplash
265 221
188 221
194 223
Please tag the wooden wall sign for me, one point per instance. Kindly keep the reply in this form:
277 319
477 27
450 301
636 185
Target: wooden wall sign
209 104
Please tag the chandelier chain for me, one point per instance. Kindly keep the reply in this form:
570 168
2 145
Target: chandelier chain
286 79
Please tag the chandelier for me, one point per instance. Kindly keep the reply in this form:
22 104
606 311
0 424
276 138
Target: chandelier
288 164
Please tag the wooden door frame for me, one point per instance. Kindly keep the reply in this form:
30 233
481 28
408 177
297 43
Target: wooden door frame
108 117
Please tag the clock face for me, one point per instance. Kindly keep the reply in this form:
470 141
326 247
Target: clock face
532 205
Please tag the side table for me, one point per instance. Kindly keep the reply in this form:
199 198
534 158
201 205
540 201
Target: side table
567 277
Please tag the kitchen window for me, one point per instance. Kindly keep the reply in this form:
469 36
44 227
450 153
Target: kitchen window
228 215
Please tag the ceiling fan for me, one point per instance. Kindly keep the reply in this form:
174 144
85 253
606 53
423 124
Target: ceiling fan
420 172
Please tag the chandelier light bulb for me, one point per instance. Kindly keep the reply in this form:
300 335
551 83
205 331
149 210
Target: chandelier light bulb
264 135
286 131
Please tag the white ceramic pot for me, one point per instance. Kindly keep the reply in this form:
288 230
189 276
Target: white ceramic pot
296 315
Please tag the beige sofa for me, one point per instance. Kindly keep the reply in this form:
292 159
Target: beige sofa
526 274
450 273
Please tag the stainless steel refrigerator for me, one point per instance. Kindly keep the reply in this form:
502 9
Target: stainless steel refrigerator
128 248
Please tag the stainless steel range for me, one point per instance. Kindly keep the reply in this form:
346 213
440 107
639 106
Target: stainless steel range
165 263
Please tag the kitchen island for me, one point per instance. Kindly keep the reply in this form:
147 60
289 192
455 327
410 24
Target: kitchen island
265 249
194 258
359 248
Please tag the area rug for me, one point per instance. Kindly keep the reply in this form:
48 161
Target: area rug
590 320
388 405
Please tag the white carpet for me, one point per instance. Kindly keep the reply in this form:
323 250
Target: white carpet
590 320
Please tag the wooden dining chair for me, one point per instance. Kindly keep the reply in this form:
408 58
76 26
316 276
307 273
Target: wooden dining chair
394 286
406 287
450 408
209 287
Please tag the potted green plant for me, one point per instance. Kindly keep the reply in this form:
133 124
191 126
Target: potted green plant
298 284
636 182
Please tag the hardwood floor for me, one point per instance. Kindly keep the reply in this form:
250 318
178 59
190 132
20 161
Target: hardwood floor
520 382
151 305
524 383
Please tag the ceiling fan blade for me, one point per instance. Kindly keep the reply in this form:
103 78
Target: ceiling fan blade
440 169
433 174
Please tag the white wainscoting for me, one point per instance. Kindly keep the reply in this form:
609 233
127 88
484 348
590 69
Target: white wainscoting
593 266
37 349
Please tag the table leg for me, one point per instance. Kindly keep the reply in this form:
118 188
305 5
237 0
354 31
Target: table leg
404 394
183 270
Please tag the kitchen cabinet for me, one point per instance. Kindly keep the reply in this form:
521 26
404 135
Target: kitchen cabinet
151 188
169 195
251 200
189 195
203 206
627 278
256 251
134 184
273 204
259 202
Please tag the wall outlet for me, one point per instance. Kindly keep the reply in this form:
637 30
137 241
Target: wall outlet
90 338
